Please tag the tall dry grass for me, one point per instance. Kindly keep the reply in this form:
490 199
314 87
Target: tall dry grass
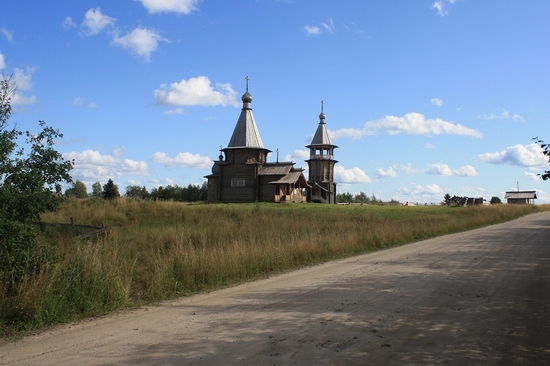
159 250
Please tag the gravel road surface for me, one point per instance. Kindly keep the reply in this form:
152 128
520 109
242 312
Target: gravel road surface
478 297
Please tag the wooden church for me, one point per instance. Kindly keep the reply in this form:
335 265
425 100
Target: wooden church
243 174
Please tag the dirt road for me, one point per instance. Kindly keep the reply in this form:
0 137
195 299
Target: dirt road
480 297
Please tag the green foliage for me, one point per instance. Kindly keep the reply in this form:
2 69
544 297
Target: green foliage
362 198
110 190
546 151
97 190
191 193
29 185
495 200
136 192
78 190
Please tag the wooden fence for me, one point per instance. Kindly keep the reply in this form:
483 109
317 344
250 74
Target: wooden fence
95 230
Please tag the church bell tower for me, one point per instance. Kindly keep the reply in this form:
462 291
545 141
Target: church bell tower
321 165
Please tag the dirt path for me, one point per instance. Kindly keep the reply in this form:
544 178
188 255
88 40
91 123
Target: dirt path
480 297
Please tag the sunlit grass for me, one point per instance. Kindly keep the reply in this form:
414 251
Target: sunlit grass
160 250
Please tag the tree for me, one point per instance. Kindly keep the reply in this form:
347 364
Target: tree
495 200
110 190
137 192
97 190
78 190
545 151
30 184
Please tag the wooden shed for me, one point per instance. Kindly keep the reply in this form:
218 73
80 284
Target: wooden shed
521 197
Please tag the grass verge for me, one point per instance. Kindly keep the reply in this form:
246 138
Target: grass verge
154 251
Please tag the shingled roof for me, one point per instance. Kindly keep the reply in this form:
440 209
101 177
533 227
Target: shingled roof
246 133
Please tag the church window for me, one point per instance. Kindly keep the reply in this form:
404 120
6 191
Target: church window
237 182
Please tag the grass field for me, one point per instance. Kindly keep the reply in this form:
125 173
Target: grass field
154 251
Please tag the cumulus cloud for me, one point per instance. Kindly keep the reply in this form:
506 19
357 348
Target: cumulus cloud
353 175
437 102
442 6
434 169
382 174
7 33
91 165
410 123
504 115
167 6
520 155
444 169
312 30
182 159
196 91
23 84
95 22
297 155
141 41
420 193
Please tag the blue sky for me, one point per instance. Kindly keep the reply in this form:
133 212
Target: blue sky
422 97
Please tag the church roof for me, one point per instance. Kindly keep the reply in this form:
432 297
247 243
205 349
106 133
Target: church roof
246 133
321 136
276 169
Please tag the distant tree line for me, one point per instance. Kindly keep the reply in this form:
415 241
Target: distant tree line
362 198
463 200
191 193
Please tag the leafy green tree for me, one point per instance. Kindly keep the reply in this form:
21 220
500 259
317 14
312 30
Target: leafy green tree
344 197
361 197
495 200
97 190
30 184
78 190
110 190
545 151
134 191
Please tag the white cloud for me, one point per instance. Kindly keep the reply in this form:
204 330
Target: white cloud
6 32
196 91
444 169
182 159
382 174
421 194
525 156
297 155
23 83
173 112
504 115
95 22
312 30
329 26
91 165
80 101
2 62
176 6
437 102
411 123
141 41
316 30
353 175
68 23
438 169
427 145
441 6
